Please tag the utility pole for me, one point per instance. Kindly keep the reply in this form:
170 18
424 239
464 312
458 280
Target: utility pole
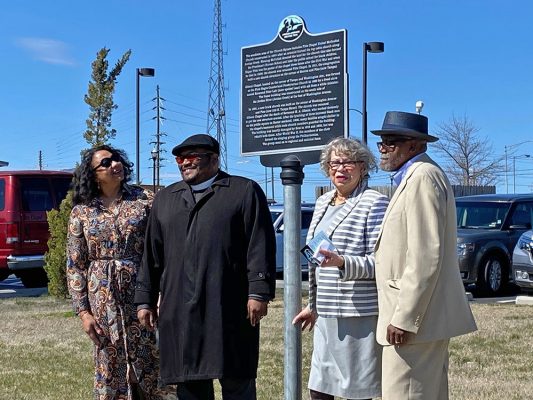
216 108
158 134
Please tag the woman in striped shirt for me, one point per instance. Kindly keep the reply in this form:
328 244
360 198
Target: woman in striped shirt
343 306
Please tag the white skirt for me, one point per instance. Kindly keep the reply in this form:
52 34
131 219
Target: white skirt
346 359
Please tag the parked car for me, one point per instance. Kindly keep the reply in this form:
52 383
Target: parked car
488 228
25 196
523 262
277 213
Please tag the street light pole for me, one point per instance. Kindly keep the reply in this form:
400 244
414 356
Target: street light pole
514 169
266 183
139 72
272 175
514 175
506 184
356 110
512 146
370 47
155 155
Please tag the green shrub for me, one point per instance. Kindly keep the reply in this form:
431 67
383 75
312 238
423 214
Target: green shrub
56 258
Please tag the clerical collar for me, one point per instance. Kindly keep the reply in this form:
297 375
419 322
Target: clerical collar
203 185
397 176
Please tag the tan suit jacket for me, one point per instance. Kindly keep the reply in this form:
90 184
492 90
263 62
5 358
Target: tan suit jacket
417 275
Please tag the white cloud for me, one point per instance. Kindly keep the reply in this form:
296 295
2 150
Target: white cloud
47 50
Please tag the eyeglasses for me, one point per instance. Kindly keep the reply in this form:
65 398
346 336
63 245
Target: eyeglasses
345 164
106 162
391 144
191 157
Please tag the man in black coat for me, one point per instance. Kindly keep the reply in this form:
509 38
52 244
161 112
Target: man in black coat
210 255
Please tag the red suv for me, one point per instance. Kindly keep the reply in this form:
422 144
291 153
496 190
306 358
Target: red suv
25 196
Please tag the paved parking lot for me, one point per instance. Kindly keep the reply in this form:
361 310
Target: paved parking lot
13 287
508 298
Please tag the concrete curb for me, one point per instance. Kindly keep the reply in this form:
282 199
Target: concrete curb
9 293
524 300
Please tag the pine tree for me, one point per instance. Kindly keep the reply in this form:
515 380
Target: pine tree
99 97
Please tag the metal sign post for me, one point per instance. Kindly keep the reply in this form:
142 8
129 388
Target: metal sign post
294 100
292 177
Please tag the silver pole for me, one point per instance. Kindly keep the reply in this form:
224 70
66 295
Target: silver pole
292 178
514 175
506 182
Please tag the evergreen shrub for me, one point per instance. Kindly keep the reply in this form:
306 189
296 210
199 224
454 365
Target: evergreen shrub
55 259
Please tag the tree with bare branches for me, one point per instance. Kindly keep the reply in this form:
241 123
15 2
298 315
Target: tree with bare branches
469 159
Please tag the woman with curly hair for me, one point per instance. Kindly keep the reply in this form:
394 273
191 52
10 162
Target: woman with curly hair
104 250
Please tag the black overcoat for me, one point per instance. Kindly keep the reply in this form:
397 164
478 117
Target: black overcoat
205 258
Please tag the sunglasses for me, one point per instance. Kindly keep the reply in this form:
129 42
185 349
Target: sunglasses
391 144
106 162
191 157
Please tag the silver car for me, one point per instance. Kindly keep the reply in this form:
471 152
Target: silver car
276 211
523 262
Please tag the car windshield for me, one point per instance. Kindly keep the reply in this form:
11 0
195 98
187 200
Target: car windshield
275 215
481 215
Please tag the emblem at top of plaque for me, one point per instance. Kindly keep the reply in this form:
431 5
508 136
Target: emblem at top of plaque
291 28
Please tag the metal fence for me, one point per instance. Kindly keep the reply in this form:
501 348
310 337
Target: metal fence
458 190
463 190
388 190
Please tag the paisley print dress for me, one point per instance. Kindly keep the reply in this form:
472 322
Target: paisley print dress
104 251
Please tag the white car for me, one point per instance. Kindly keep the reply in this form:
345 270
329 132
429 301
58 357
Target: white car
523 262
276 211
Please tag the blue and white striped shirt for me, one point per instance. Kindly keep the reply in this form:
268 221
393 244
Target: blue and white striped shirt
355 228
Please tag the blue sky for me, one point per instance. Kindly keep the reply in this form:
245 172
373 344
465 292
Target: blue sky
469 58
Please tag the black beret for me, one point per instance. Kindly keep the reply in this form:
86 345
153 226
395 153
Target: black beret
200 140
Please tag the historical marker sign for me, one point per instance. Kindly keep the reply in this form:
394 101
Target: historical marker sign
294 91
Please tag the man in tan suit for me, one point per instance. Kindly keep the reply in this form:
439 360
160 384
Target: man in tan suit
422 302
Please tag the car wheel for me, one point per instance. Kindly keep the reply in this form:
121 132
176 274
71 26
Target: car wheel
492 275
33 278
4 273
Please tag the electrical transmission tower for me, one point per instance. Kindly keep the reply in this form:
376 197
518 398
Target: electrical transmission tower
158 150
216 109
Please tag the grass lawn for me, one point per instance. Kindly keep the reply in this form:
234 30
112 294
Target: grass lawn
45 355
